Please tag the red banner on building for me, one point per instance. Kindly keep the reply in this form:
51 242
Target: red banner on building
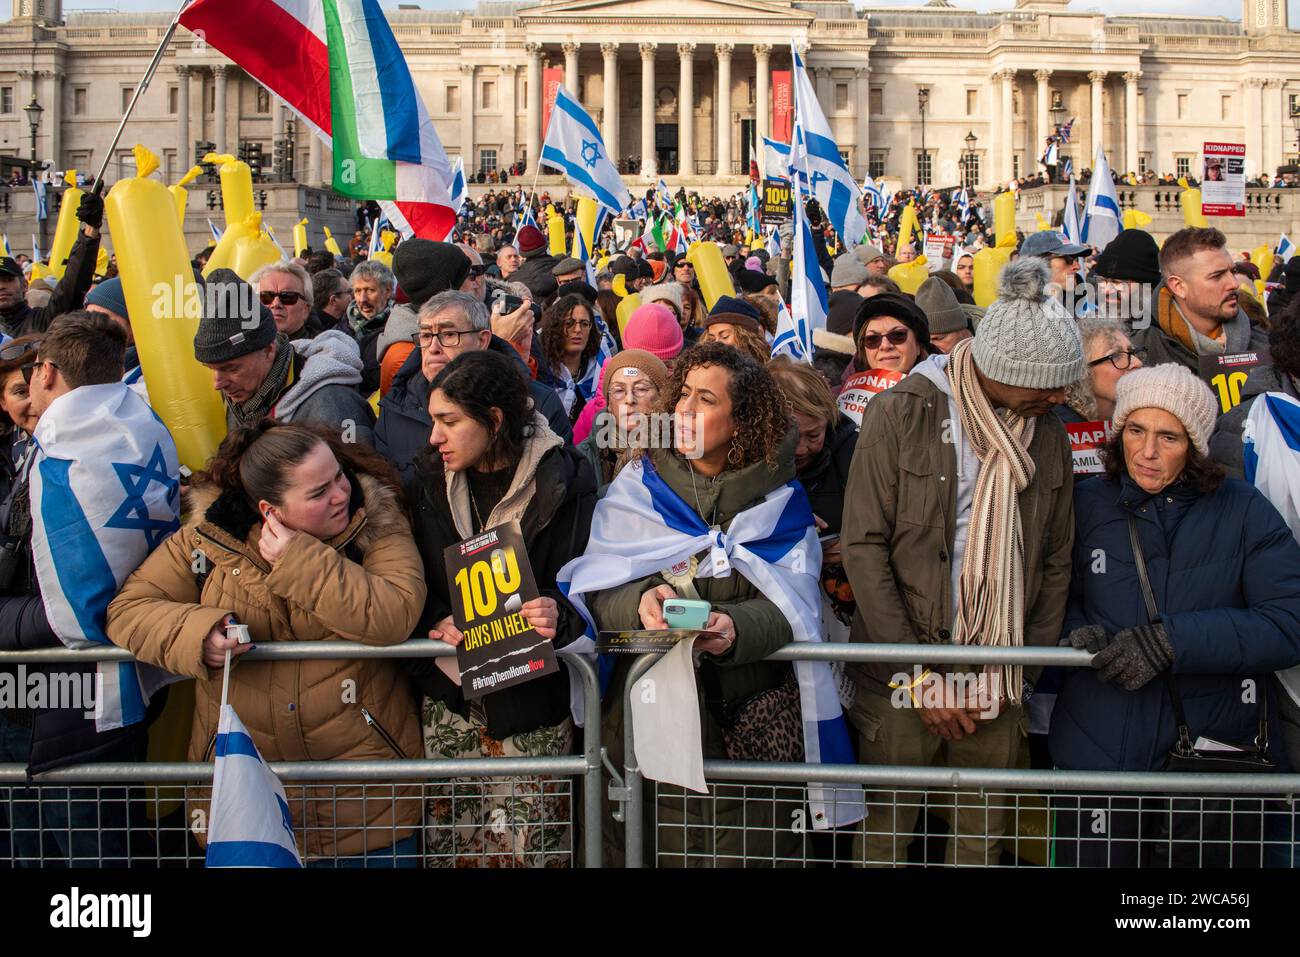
782 106
552 80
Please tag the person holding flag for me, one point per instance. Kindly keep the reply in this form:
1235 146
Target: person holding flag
292 563
574 146
17 318
1102 218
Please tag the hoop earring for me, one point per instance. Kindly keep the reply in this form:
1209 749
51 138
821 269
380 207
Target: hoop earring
734 456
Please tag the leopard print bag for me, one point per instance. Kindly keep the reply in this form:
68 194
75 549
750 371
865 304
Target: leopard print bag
767 726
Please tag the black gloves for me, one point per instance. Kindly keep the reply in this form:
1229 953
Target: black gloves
1090 638
1135 656
91 210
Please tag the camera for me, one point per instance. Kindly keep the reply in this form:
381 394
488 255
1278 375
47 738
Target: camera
508 302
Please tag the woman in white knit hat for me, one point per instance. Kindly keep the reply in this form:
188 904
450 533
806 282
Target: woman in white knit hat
1224 574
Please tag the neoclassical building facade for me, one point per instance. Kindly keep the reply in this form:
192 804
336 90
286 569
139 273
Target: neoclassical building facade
681 88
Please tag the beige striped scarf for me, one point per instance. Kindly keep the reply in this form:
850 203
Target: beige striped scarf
991 587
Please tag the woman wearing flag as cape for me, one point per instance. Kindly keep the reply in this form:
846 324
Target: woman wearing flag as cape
718 515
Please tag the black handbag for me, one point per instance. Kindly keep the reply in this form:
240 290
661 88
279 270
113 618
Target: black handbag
1183 756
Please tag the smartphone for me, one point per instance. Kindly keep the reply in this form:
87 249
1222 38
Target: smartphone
686 613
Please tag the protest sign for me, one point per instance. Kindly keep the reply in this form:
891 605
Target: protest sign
1223 188
1086 440
775 208
938 251
647 642
489 579
1227 373
860 388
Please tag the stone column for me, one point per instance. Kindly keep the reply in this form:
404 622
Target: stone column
1131 119
862 95
686 111
1006 124
313 177
509 115
1274 137
724 51
52 127
762 91
609 113
184 147
1097 123
571 69
823 82
533 119
220 76
467 97
648 159
1253 87
1041 103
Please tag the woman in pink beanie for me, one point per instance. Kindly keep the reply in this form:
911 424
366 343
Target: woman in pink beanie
654 328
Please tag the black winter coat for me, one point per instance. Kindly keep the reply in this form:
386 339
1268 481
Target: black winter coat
556 526
825 477
535 273
69 294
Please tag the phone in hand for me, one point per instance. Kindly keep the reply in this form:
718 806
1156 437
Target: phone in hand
686 613
504 303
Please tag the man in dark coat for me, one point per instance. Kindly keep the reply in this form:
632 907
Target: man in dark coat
537 271
17 318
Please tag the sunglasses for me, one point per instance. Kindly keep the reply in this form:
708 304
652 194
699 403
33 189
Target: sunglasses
287 297
476 271
896 337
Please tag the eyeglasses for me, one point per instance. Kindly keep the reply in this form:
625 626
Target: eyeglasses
896 337
288 297
1120 360
582 325
27 368
16 350
447 338
642 390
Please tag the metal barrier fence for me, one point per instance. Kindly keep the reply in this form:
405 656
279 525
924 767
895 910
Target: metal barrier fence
756 814
491 811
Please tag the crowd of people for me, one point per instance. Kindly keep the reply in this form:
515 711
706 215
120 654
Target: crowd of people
377 416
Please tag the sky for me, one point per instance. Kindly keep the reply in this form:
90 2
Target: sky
1224 8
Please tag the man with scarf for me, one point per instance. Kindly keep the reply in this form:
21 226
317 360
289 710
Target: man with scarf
958 524
373 287
1196 311
260 373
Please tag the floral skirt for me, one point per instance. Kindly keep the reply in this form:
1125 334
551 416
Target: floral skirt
499 821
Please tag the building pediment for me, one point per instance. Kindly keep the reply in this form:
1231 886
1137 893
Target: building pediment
664 11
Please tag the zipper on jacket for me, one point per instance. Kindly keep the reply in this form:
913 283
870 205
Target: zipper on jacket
383 733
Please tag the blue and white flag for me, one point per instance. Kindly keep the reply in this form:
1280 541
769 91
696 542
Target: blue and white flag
1102 219
249 824
664 197
808 298
814 152
1070 224
751 214
638 210
642 526
216 233
105 492
774 242
4 245
1285 248
776 159
574 146
458 188
376 235
962 200
607 345
36 249
875 195
1068 167
42 210
271 232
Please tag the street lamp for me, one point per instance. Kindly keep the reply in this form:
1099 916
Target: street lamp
34 111
1057 110
922 101
968 160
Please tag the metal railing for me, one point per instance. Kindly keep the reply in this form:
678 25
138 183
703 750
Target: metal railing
373 778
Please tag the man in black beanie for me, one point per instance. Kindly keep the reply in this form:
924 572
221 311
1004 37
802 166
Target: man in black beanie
260 373
1128 272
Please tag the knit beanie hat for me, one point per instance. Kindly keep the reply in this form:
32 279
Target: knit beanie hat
654 328
734 305
529 240
1026 337
576 287
425 268
1132 255
1175 389
657 268
941 308
108 295
898 306
867 254
753 280
633 362
236 324
671 292
848 271
754 264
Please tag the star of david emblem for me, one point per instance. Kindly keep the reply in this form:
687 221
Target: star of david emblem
133 513
590 153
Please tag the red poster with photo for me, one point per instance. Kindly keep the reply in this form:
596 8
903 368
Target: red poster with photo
1086 440
782 106
860 387
552 80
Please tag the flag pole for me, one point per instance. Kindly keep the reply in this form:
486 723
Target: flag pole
140 88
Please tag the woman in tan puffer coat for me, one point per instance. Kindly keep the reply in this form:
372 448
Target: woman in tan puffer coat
301 539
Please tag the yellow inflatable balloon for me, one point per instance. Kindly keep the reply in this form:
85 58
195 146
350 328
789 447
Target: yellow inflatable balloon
383 256
300 237
254 249
711 271
988 267
1190 200
555 231
65 233
164 303
908 227
387 238
1262 257
585 225
909 276
619 285
627 305
181 194
331 243
236 187
1041 224
39 271
101 263
1004 217
223 257
1136 219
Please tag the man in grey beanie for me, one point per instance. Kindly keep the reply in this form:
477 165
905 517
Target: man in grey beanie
958 525
260 373
949 324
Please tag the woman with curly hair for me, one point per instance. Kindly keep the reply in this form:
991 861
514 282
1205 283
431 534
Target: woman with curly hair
1108 355
569 343
734 322
732 453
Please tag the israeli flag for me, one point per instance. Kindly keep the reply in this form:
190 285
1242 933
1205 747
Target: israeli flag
638 210
105 492
607 345
808 299
42 211
1102 219
642 526
216 233
249 824
36 249
1070 224
874 194
664 197
751 214
376 236
1285 248
271 232
776 159
962 200
458 189
814 151
574 146
774 243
